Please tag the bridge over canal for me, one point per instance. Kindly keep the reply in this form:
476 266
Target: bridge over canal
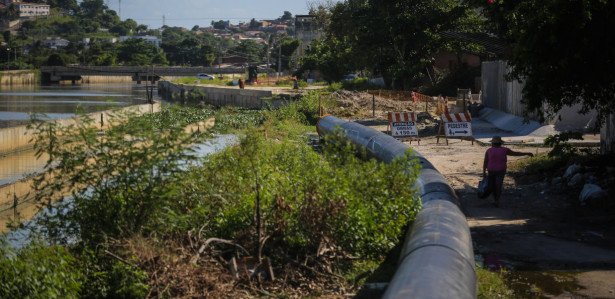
55 74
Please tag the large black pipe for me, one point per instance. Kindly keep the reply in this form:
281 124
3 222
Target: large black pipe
437 259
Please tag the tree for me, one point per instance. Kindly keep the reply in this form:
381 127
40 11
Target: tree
288 45
562 50
127 27
249 49
254 24
286 16
397 39
135 51
56 60
220 24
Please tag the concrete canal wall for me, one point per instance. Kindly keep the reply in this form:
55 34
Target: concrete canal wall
23 77
217 95
20 138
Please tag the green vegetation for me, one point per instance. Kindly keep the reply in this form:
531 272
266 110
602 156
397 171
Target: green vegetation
138 190
397 39
557 72
492 284
92 30
38 271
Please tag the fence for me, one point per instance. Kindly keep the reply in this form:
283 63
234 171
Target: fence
607 135
418 102
498 92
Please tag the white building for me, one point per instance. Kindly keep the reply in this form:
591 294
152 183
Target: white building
31 10
148 38
55 43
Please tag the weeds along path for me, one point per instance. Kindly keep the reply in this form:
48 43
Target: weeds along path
533 232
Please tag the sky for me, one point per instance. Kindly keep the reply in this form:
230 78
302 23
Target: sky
187 13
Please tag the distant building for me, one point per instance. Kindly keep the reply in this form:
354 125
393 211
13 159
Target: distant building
148 38
306 30
55 43
31 10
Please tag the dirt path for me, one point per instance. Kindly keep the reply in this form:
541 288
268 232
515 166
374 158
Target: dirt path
535 231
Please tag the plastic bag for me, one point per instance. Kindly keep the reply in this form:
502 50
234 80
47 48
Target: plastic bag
483 188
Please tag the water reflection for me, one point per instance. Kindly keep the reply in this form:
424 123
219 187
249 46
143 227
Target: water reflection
62 101
27 209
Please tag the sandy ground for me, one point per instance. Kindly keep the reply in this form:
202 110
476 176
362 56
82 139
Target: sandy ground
534 232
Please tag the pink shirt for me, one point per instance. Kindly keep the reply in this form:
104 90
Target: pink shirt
496 158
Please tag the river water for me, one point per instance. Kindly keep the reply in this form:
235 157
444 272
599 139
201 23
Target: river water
59 101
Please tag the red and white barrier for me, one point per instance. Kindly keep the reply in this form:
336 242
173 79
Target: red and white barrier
456 117
403 116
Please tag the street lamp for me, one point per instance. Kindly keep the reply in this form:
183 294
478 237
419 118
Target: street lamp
8 58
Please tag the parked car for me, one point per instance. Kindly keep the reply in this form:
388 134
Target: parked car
205 76
349 77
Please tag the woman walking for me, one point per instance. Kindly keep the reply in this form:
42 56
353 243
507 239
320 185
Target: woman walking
494 166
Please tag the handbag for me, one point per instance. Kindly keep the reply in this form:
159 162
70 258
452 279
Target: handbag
483 189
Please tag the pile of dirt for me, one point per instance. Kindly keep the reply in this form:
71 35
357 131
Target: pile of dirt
359 104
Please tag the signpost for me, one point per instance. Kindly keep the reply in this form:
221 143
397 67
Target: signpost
402 125
458 129
457 125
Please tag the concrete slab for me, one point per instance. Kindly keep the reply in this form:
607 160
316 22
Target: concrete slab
514 130
508 122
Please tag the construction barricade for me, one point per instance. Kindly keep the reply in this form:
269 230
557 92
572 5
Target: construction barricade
455 126
402 126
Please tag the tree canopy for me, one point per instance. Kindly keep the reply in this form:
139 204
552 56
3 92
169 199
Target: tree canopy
397 38
561 49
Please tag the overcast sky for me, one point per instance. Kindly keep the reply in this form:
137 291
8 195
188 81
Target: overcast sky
187 13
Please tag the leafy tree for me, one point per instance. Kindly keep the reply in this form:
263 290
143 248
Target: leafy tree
220 24
395 38
67 6
286 16
288 45
56 59
254 24
127 27
136 51
10 13
249 49
561 50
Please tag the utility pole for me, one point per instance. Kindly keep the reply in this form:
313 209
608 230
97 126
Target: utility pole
164 20
120 9
279 58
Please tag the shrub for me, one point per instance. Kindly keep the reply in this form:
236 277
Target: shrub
38 271
560 145
118 180
307 200
492 284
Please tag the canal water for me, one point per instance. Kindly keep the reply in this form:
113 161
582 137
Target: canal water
56 102
60 101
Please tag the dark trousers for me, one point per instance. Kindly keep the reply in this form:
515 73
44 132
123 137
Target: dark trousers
495 181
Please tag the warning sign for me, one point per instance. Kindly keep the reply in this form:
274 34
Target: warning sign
403 124
404 129
458 129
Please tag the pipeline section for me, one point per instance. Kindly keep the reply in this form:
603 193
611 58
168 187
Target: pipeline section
437 259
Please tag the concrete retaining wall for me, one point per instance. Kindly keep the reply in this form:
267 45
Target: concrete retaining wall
217 96
18 77
499 93
20 138
607 135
